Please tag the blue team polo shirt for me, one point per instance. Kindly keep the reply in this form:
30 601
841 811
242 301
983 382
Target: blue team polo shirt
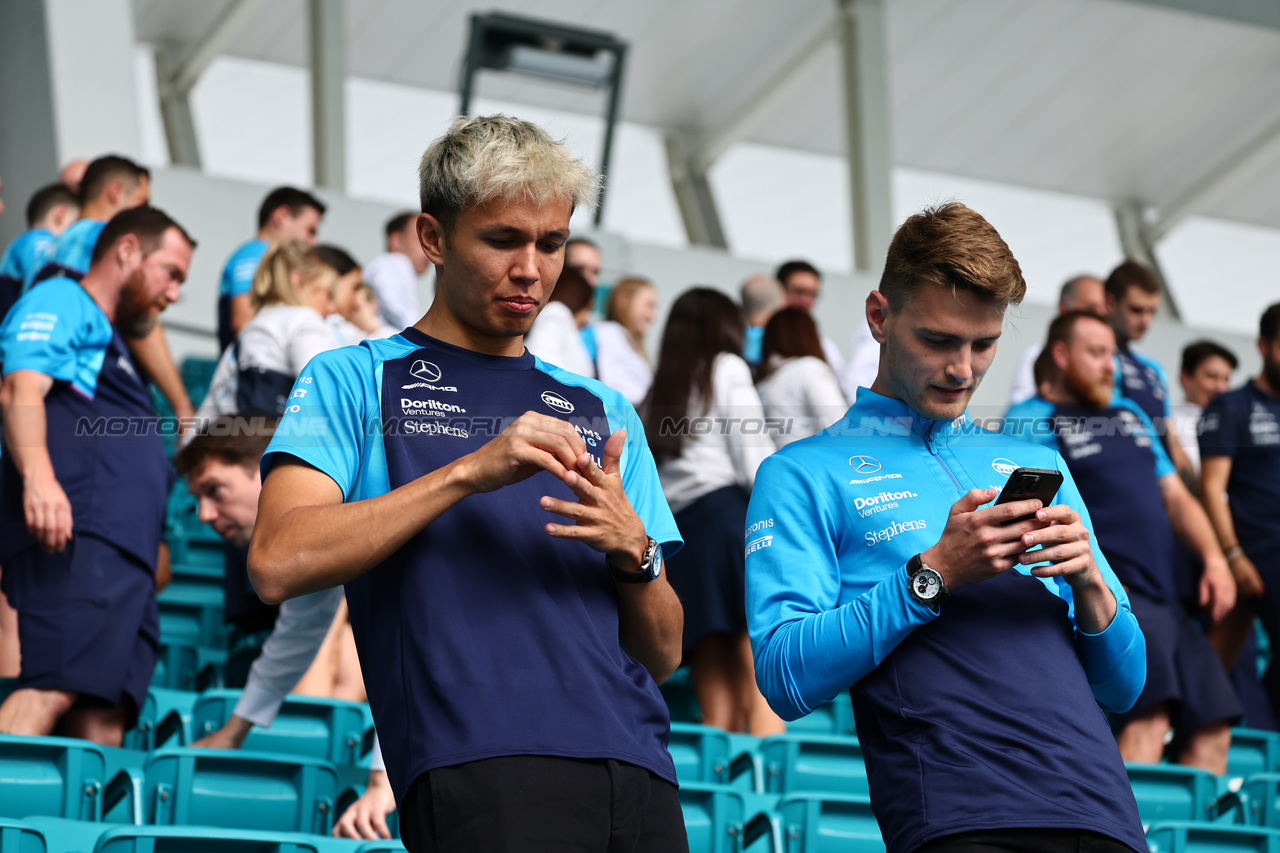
73 250
26 255
1117 464
1244 425
1141 379
981 716
237 278
103 439
483 636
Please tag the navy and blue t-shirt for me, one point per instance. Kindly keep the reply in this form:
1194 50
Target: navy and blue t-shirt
483 636
1244 425
983 715
102 434
1142 380
22 260
237 278
73 250
1117 464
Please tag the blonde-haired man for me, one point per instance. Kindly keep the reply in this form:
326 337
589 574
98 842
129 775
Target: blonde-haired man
499 526
976 664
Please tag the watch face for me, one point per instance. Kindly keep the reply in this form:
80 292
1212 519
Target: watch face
926 584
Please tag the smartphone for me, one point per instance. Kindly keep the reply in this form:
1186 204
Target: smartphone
1027 483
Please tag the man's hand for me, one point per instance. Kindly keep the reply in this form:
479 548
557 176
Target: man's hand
1217 588
230 736
977 544
1247 578
47 510
603 517
367 816
1066 547
533 443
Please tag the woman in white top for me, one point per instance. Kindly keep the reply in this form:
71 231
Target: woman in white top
621 361
292 294
555 336
796 384
705 427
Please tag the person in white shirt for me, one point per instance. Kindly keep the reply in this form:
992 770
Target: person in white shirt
394 274
555 336
705 426
621 360
802 284
221 467
797 386
1206 373
292 294
1080 293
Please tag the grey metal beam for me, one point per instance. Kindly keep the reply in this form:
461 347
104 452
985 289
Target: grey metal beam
200 55
758 105
1256 13
328 94
1138 245
175 110
867 125
694 198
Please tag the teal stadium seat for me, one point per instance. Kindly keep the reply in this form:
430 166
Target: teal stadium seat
682 704
1211 838
718 819
383 846
163 720
191 619
829 823
232 789
1261 795
711 755
1252 752
1171 792
62 835
332 729
833 718
52 776
19 837
201 839
813 764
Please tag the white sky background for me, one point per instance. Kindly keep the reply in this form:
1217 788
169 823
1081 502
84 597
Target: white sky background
253 121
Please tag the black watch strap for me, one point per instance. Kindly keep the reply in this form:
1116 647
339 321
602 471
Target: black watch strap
925 584
650 566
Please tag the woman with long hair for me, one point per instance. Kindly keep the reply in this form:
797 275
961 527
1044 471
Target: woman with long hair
796 384
705 427
621 360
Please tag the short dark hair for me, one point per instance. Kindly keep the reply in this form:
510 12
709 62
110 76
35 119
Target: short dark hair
572 289
99 174
46 199
397 223
1061 327
1269 325
1131 274
790 268
230 439
953 246
290 197
146 223
336 257
1194 355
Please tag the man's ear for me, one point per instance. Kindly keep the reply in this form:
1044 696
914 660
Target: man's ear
431 237
1059 353
1111 305
128 252
877 314
114 192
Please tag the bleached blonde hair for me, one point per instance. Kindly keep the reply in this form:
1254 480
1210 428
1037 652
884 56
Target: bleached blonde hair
488 157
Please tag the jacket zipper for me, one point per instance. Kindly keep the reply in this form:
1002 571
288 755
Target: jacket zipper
928 442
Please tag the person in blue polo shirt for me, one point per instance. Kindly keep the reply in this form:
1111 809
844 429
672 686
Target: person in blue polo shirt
83 483
1240 482
1139 504
111 184
977 642
285 214
499 526
50 210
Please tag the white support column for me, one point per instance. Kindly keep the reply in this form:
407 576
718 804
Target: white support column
867 123
328 96
693 194
1138 244
175 109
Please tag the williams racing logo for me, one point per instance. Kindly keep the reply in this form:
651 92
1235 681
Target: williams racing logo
869 467
427 374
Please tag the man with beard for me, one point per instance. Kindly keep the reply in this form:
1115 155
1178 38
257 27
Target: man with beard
1139 503
1240 483
84 483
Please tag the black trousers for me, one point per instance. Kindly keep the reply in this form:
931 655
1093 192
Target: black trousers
542 803
1026 841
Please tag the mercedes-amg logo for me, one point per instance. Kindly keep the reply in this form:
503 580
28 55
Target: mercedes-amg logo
865 464
425 370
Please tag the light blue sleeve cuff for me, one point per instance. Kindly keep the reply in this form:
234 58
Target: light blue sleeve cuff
1115 661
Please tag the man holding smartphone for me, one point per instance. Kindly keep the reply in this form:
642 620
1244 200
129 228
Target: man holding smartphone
976 665
1140 504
